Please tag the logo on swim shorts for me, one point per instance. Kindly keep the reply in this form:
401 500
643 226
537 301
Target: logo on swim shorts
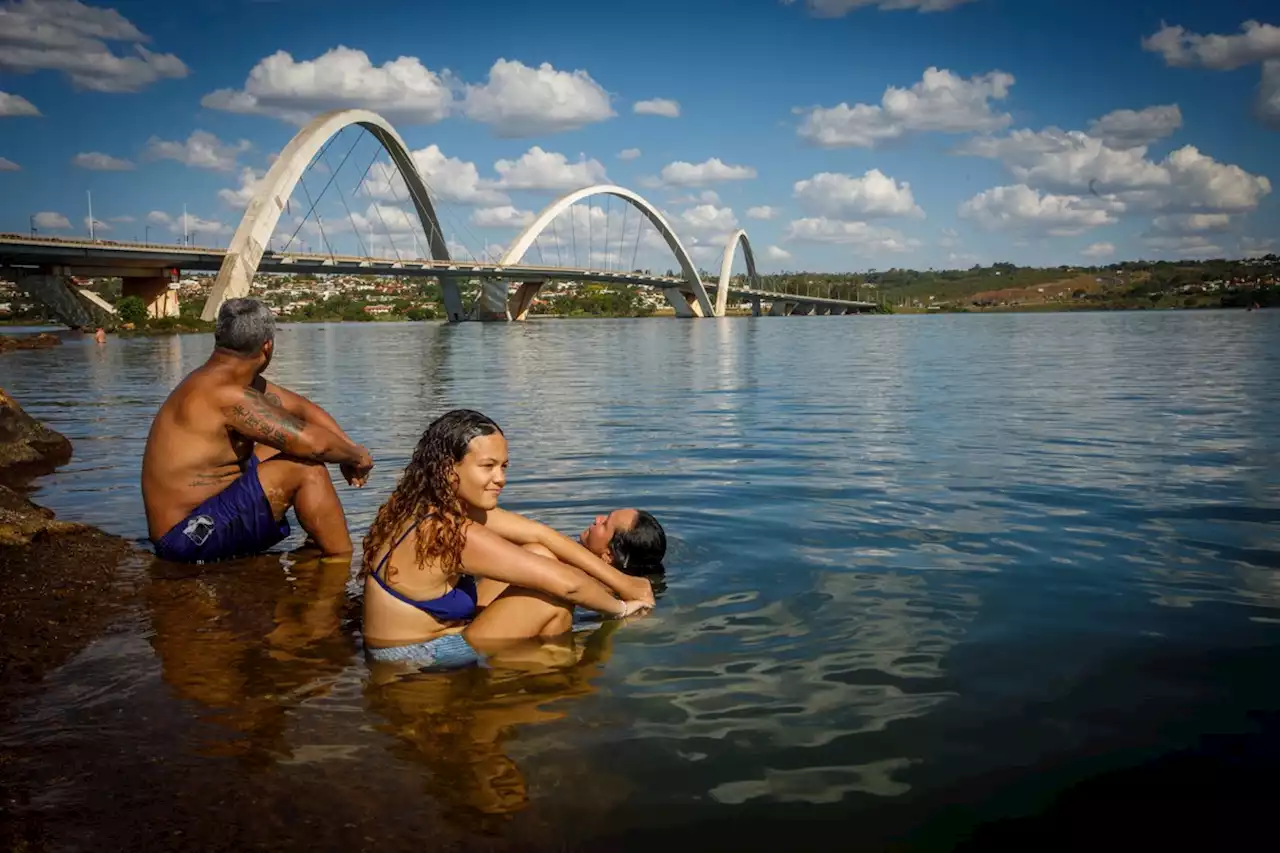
199 528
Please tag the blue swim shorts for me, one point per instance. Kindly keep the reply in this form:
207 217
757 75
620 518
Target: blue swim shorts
236 522
451 651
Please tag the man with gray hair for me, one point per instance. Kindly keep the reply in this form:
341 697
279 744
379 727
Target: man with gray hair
230 452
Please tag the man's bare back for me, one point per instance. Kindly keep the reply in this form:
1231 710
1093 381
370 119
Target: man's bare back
193 451
229 453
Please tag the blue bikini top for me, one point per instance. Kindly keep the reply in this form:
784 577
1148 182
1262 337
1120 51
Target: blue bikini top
456 605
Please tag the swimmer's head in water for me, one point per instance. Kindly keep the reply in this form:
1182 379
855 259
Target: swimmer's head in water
460 462
630 539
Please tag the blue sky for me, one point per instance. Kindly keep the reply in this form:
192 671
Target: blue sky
841 134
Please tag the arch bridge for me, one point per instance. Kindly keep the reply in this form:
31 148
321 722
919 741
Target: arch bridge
508 285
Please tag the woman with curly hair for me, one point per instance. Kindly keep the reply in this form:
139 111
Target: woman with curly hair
442 528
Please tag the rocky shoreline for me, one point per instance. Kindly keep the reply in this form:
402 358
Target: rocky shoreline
58 585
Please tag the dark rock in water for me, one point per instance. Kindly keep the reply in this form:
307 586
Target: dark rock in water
44 340
27 444
57 578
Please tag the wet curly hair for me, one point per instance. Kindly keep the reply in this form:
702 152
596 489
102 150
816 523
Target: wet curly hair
428 490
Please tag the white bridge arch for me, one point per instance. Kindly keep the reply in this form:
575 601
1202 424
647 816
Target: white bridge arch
726 269
263 212
560 205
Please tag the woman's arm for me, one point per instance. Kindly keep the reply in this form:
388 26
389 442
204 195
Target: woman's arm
525 531
487 554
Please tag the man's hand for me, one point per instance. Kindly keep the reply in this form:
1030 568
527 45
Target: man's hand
357 473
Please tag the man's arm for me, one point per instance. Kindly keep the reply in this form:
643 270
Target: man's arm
251 414
525 531
298 406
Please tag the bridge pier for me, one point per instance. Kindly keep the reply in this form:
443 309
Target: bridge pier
519 304
492 304
683 306
779 308
755 306
154 291
802 309
59 295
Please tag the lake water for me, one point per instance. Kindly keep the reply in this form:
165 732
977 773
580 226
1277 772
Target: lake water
935 582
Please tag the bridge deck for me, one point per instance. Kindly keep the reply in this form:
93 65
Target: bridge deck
106 258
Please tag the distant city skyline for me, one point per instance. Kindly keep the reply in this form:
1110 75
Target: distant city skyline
843 135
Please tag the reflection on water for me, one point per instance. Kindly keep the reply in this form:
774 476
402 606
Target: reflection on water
925 573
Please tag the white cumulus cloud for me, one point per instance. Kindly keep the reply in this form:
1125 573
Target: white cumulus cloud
874 194
521 101
657 107
1180 47
504 216
194 225
16 105
776 253
50 219
941 102
763 211
448 179
1256 43
1186 179
201 150
706 223
1191 223
98 225
537 169
628 153
99 162
402 90
1184 246
1099 250
682 174
1021 207
1122 129
861 235
240 197
71 37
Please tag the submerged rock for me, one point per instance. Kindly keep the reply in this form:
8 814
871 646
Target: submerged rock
26 443
40 341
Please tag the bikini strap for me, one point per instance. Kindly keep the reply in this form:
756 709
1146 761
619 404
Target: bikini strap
392 549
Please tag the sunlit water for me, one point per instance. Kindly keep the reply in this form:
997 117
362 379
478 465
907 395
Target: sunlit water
927 574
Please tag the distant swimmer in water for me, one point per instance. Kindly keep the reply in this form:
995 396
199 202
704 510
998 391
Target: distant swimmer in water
100 336
441 530
229 453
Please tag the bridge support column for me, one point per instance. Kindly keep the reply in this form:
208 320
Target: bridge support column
451 294
678 302
779 308
154 291
492 305
519 305
755 306
60 296
802 309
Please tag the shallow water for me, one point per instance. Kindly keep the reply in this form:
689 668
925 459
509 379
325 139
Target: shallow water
1004 578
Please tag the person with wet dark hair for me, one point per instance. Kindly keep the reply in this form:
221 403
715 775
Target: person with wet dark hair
631 540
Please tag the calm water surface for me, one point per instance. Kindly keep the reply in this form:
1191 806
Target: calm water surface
967 580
